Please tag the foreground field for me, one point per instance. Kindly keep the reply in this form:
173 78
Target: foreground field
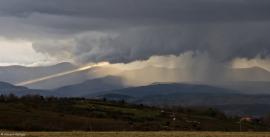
35 113
137 134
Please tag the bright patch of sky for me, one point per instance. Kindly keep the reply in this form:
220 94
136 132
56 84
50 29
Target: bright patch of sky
20 52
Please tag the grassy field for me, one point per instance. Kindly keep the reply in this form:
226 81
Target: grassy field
34 113
136 134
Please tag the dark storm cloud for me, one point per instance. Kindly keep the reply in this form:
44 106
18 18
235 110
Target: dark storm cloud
222 42
128 30
144 9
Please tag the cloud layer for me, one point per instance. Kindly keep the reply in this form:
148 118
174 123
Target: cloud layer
122 31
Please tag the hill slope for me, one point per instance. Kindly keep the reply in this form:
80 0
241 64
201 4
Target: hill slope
34 113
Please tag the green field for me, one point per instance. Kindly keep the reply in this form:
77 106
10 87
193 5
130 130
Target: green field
136 134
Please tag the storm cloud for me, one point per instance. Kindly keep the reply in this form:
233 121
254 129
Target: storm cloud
122 31
222 42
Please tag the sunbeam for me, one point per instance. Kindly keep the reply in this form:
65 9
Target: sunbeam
24 83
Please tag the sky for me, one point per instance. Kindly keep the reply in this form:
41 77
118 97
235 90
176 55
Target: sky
168 33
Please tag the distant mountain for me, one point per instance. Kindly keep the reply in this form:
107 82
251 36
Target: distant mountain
249 87
248 74
191 95
6 89
18 74
253 80
158 94
167 89
90 87
76 90
151 74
